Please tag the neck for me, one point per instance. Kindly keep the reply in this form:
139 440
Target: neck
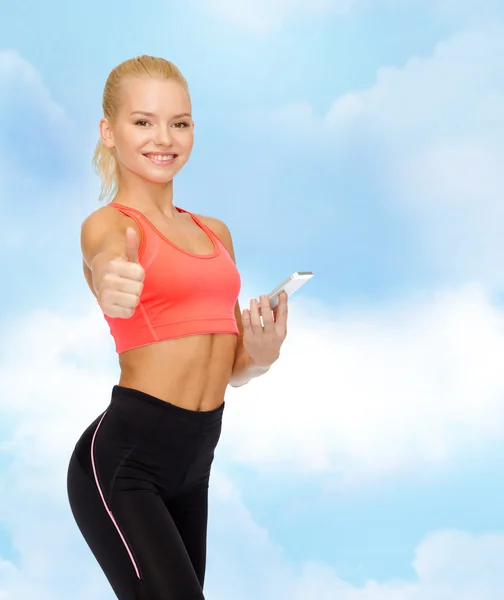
147 196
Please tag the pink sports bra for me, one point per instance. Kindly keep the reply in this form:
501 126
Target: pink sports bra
183 294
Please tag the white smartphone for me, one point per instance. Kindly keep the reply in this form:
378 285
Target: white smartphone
290 285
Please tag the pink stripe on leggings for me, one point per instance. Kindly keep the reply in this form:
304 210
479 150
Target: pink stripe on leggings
103 498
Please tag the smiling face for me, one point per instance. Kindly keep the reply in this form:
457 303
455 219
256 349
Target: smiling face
153 132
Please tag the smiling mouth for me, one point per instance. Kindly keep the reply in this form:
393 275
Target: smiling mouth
160 159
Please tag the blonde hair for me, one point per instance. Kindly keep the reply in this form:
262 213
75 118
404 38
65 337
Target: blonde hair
105 160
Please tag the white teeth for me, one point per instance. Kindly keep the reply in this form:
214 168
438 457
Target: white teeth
162 158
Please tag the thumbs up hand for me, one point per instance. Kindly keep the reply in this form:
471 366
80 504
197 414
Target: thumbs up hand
122 280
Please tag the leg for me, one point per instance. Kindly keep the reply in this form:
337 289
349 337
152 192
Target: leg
189 511
164 564
99 532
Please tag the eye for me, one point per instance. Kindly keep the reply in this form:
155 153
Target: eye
183 123
141 121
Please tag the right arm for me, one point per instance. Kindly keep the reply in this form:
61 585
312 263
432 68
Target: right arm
111 253
102 240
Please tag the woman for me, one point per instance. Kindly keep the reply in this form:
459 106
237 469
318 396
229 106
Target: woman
167 284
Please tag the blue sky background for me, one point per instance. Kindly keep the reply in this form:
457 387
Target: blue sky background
361 140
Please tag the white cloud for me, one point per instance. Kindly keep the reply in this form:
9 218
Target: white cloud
34 130
464 10
369 392
266 16
25 94
262 16
448 565
55 376
436 126
18 75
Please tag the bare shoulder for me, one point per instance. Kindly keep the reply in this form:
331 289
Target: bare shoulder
102 218
215 225
220 229
104 226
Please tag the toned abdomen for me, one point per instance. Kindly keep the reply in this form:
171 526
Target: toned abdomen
192 372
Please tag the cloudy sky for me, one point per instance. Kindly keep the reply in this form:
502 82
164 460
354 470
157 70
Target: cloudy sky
360 139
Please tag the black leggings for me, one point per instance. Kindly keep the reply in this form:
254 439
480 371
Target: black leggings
138 489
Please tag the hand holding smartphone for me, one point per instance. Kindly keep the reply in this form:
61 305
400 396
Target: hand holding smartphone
289 286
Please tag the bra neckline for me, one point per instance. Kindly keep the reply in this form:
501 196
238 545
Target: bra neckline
200 224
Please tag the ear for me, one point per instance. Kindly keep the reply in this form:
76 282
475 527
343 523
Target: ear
106 134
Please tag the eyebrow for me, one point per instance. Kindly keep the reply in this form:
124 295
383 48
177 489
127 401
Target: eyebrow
149 114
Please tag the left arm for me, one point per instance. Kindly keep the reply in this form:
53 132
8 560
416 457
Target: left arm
258 346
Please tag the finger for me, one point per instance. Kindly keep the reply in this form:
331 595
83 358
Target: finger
132 244
129 286
115 298
117 279
121 267
132 270
266 314
282 314
255 318
247 326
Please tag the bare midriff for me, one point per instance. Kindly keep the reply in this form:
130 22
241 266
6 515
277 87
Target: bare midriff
192 372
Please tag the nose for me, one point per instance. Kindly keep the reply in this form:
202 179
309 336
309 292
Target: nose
163 135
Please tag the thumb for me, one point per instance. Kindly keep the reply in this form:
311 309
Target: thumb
132 244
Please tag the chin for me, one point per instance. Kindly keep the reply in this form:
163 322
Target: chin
155 175
158 175
158 178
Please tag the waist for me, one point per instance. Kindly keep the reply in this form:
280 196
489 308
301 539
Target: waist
192 372
140 404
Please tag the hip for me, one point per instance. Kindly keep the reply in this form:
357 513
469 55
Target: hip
141 437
